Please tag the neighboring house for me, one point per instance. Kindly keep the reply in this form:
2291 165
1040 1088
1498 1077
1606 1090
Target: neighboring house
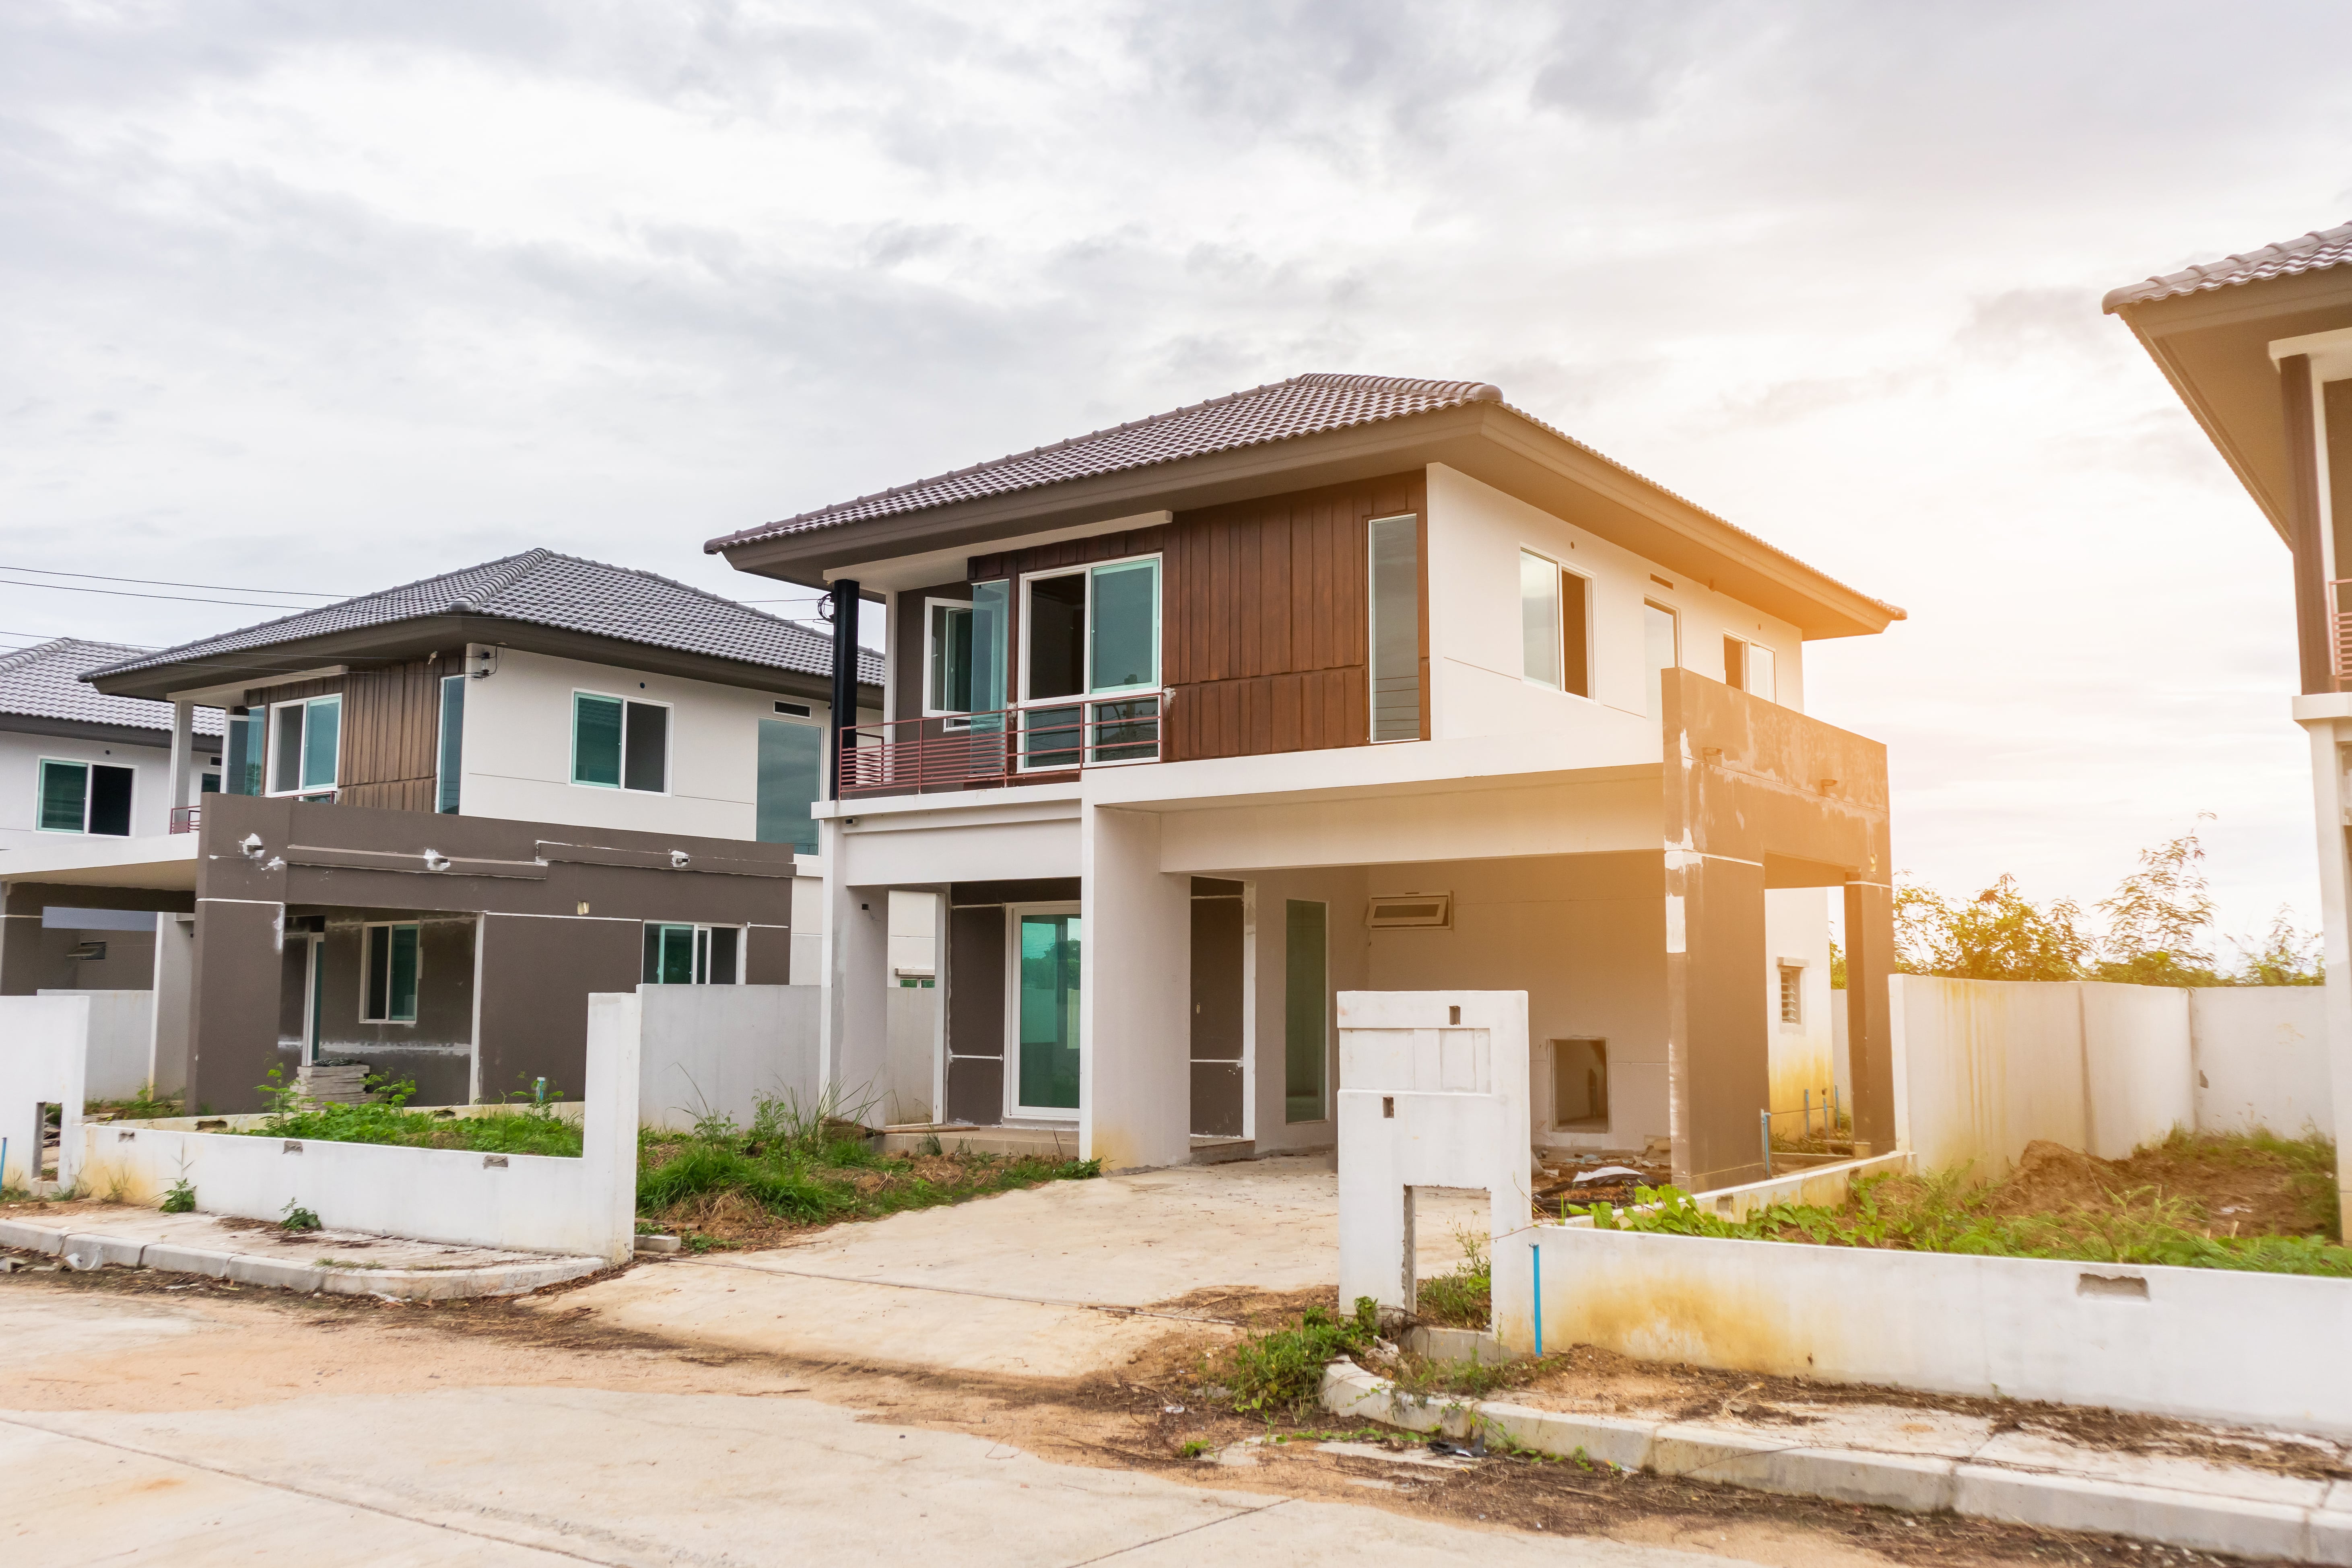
2259 346
75 764
450 810
1344 682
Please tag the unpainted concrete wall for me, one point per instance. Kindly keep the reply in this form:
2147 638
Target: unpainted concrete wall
44 1043
721 1049
121 1041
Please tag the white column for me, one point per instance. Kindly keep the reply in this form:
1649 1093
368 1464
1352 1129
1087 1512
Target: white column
855 1050
184 740
2328 717
1135 1045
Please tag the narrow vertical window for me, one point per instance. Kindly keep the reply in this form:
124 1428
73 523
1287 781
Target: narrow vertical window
726 966
595 740
1123 630
1735 664
1304 1018
1575 635
1395 628
792 769
322 734
286 759
390 966
452 760
1539 621
110 800
1761 682
644 756
947 689
247 742
991 617
1657 651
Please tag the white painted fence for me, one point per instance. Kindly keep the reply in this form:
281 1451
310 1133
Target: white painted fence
721 1049
584 1207
44 1047
121 1042
1984 1066
2200 1343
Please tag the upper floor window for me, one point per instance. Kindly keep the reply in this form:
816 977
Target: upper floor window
247 740
450 757
620 744
946 678
1094 631
1660 650
1748 666
84 797
1553 618
305 739
792 773
693 955
1393 583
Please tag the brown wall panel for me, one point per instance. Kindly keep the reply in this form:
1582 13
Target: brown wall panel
391 729
976 981
536 977
232 998
976 1089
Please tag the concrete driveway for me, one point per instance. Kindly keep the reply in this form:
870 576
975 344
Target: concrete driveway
1060 1281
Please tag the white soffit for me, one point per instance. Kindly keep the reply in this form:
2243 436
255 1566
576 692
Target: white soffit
936 566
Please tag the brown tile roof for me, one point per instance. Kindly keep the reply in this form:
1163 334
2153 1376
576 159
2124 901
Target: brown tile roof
44 681
2321 248
1278 411
542 587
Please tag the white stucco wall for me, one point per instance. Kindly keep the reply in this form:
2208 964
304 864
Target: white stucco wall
150 786
1797 931
44 1047
1582 935
2260 1058
719 1050
518 748
1475 535
121 1041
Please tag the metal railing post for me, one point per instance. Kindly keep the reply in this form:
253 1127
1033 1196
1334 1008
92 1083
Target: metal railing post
1764 1126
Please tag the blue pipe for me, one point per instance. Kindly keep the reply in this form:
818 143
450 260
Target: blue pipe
1538 1253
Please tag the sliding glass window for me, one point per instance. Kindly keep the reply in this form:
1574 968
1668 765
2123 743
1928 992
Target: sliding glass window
305 738
618 744
1092 633
390 965
1395 629
83 797
247 741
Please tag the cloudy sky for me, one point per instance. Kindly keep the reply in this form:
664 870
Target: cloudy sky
319 297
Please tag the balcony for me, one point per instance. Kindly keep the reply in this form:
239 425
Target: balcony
187 818
1048 738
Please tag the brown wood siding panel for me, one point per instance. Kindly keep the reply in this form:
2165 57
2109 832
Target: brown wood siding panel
1267 638
390 720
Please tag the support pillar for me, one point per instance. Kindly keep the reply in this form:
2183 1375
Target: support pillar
1718 1039
1135 1055
1869 1025
183 764
2327 719
856 1053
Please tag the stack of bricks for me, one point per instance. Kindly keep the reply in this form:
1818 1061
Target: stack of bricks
341 1083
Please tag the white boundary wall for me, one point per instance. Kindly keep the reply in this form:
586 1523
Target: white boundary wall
1984 1066
2173 1341
44 1050
121 1041
526 1203
721 1049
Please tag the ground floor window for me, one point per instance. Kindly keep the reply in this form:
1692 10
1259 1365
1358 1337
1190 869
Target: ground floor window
1580 1085
1305 1016
694 956
84 797
389 963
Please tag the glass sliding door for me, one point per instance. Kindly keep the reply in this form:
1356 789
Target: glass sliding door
1046 1012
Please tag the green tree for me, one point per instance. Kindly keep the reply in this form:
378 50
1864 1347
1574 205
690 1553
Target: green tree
2000 934
2158 918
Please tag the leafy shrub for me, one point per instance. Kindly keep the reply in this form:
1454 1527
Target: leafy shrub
180 1197
1464 1299
1283 1370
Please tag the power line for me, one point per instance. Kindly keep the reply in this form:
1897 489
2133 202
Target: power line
177 598
168 583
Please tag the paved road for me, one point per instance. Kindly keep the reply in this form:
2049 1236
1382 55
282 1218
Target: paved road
146 1430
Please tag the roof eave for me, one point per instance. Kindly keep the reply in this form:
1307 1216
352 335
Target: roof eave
1488 440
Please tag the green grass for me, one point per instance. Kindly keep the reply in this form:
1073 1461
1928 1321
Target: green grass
1282 1369
809 1165
527 1129
1942 1213
1464 1299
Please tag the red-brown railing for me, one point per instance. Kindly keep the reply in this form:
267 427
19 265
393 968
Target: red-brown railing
187 818
2343 619
1001 747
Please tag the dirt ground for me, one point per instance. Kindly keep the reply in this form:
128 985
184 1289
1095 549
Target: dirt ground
2238 1190
1139 1418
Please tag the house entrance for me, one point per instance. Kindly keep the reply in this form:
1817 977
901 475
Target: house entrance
1044 1079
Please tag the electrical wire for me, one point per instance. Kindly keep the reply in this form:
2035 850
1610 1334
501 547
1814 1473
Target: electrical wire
177 598
169 583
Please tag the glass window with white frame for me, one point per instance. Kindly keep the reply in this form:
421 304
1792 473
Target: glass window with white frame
305 746
83 797
449 762
391 965
1091 633
681 954
617 743
1393 571
1554 614
1748 666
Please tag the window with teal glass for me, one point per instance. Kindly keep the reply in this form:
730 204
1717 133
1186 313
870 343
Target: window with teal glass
792 770
390 959
305 738
450 765
247 744
619 745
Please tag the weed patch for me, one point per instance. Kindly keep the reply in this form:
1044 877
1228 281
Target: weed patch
1281 1370
1464 1299
524 1129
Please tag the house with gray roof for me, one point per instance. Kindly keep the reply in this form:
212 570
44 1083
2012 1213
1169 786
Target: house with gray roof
75 762
419 827
2258 346
1197 722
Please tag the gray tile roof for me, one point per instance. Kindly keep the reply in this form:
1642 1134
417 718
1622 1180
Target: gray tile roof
44 681
543 588
2321 248
1278 411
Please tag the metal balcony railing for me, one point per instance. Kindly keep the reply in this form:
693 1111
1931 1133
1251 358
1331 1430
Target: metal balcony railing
1046 737
187 818
2342 618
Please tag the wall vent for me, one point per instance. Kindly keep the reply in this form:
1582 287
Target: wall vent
1406 911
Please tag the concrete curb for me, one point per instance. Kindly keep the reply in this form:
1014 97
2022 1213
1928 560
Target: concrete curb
1915 1483
83 1250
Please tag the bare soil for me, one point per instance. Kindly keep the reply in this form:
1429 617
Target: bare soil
1559 1184
2236 1189
278 1346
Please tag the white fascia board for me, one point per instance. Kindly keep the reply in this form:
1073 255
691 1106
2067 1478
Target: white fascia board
2330 351
1406 767
233 695
898 573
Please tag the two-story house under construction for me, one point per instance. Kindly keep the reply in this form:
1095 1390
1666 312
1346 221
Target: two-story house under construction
451 810
1344 682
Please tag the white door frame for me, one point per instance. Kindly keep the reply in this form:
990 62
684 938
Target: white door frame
1013 1108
